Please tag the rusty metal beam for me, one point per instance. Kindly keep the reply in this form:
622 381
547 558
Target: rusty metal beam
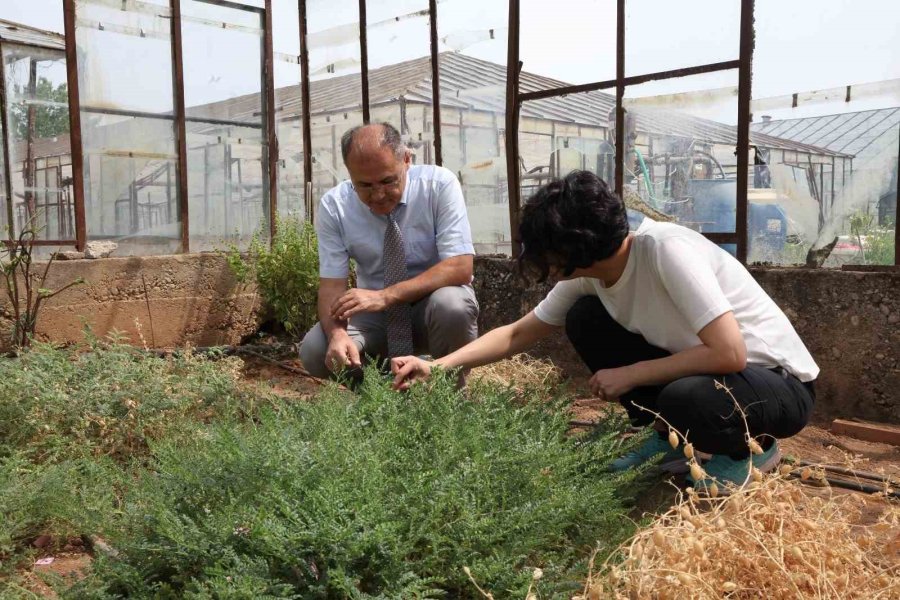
271 133
513 68
620 95
567 89
364 61
722 238
435 83
74 125
633 80
304 102
180 127
745 86
897 209
7 170
685 72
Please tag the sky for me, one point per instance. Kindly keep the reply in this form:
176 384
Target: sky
801 45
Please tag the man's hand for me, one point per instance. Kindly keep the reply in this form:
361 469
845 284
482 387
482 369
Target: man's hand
407 369
611 384
342 352
356 301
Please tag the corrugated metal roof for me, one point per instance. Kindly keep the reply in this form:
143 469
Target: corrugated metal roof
856 134
475 84
22 34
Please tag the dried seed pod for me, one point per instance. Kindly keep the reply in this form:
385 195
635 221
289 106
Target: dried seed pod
796 552
805 473
537 574
684 578
729 586
673 439
785 470
658 538
755 474
689 450
697 471
755 448
713 490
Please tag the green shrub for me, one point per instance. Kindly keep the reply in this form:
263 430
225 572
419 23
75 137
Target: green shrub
75 428
286 274
381 495
110 399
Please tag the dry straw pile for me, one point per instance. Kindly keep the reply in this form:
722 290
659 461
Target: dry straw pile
521 372
772 539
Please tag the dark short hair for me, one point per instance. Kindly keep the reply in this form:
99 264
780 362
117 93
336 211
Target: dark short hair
570 223
390 138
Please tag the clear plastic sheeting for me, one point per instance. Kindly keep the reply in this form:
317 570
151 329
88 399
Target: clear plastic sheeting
473 118
226 139
400 82
39 149
127 121
680 162
661 35
131 192
288 108
839 106
567 42
124 58
335 86
552 146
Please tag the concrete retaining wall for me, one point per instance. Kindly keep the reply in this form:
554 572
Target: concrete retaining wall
172 299
850 321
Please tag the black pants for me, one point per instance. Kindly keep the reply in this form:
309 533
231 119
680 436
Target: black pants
777 404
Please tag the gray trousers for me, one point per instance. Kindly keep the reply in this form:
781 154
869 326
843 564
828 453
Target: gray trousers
442 322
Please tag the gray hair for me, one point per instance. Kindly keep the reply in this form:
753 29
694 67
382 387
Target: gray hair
390 138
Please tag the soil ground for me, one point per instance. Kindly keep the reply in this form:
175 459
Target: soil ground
814 444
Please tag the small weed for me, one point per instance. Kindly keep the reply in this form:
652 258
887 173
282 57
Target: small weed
286 274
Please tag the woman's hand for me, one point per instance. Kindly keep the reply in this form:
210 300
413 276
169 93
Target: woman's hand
407 369
611 384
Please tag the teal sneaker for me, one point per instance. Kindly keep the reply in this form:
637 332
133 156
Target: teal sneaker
673 460
725 470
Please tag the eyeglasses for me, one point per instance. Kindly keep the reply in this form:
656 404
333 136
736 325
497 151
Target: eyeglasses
390 184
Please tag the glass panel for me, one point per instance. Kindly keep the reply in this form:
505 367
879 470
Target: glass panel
42 14
551 146
680 162
224 99
572 43
473 113
661 35
39 149
288 108
131 192
226 178
335 89
128 133
124 57
4 206
826 131
399 42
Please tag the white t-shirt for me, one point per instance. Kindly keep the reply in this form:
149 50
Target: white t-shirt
674 284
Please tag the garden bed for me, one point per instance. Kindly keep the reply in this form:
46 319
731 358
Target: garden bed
217 476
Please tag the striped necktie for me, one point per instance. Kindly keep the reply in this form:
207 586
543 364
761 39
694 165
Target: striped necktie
399 316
